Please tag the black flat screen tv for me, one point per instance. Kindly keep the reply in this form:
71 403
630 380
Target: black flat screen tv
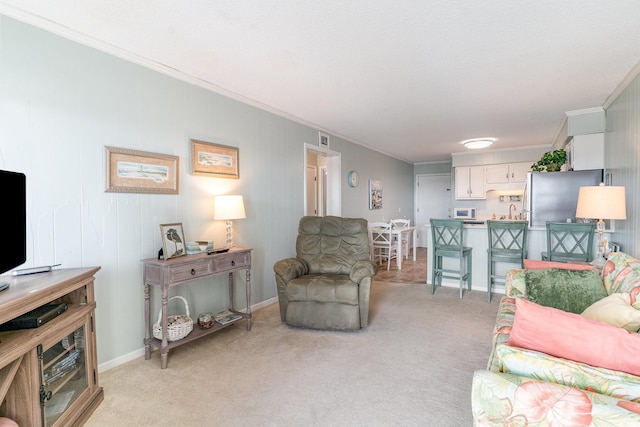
13 186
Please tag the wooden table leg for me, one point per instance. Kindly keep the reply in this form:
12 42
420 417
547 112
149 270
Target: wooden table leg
164 347
147 321
248 285
231 291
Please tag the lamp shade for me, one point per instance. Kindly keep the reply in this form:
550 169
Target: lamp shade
601 202
229 207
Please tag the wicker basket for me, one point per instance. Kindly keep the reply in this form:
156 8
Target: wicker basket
178 326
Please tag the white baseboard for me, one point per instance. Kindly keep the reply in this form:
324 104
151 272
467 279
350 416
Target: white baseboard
264 304
103 367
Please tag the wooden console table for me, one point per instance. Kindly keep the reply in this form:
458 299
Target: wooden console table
179 270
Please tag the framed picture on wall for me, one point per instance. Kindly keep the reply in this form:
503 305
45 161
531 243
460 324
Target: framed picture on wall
323 140
173 244
375 194
214 160
133 171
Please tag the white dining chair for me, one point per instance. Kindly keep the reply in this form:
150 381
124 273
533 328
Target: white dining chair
382 244
402 223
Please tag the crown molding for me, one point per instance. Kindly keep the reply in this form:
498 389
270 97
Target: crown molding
631 75
85 40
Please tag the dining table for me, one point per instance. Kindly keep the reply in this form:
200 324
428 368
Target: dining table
398 232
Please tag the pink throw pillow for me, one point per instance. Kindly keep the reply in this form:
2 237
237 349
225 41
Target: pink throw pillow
534 264
573 337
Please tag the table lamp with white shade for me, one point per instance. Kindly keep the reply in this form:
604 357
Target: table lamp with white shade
601 202
229 207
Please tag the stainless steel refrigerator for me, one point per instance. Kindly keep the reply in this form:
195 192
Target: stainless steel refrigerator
553 196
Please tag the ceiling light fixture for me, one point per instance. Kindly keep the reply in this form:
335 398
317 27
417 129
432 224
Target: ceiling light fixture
476 143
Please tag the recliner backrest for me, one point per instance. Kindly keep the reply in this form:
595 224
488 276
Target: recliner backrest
332 244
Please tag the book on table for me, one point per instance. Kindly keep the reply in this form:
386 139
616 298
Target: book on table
226 317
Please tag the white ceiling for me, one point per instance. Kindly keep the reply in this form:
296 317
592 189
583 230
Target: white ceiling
409 78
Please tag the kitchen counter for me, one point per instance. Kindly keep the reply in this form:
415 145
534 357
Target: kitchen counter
484 226
475 236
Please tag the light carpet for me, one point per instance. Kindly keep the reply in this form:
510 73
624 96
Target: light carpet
412 366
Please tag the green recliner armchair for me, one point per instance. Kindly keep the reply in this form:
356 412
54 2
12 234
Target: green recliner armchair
328 284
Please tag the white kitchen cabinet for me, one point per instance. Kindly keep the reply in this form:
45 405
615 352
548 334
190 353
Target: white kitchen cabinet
508 173
497 174
587 152
470 182
519 171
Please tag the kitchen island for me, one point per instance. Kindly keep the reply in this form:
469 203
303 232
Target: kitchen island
476 236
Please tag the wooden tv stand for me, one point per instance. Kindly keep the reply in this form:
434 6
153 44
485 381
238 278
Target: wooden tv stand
49 374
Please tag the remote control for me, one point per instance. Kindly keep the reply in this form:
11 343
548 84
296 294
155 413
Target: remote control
217 251
34 270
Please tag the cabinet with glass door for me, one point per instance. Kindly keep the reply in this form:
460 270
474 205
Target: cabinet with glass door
63 375
49 373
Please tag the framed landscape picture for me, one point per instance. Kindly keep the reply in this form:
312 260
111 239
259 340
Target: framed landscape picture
214 160
133 171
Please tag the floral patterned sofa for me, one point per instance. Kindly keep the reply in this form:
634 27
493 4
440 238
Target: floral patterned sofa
598 384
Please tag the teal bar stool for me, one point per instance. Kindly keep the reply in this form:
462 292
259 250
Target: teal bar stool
569 241
507 243
447 237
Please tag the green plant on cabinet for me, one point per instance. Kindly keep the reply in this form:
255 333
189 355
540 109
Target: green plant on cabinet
551 161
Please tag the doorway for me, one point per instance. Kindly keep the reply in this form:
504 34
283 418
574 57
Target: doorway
312 191
433 200
322 189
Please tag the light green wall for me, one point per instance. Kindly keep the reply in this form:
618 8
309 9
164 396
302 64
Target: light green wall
622 161
428 168
61 103
397 184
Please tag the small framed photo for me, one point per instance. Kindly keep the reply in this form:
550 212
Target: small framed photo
173 244
375 194
323 140
214 160
133 171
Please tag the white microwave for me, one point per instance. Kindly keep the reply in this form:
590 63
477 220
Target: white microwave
464 213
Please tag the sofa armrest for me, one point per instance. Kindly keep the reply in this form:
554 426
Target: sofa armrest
515 285
290 268
498 399
543 367
286 270
501 330
362 269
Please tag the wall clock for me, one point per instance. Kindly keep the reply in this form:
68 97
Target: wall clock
353 179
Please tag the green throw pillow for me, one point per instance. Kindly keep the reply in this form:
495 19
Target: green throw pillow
567 290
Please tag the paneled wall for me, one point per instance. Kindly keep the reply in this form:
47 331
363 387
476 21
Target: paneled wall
622 160
62 102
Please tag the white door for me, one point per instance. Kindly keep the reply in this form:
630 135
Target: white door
433 200
322 191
